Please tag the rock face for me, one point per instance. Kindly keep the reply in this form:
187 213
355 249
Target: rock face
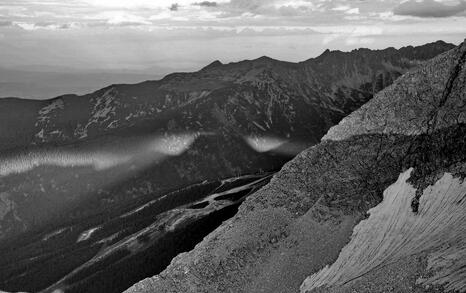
393 232
75 157
377 206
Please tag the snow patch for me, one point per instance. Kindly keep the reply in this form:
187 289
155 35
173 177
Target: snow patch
87 234
53 234
45 112
104 109
80 131
45 116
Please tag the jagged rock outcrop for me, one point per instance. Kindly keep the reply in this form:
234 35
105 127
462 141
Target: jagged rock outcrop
377 206
403 108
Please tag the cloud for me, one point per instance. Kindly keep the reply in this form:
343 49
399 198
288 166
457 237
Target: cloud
174 7
5 23
352 11
206 4
429 8
341 8
249 5
252 8
351 41
119 18
230 30
346 9
136 4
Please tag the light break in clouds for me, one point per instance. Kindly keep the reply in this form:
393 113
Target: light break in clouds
430 8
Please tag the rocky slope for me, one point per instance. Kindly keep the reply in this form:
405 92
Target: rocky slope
75 157
377 206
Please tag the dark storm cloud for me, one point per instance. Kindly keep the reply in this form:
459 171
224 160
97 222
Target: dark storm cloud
206 4
44 24
250 5
429 8
274 8
65 26
174 7
5 23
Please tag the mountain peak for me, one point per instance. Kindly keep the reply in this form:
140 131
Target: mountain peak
326 53
214 64
264 59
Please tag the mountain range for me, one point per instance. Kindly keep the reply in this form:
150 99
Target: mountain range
377 206
74 167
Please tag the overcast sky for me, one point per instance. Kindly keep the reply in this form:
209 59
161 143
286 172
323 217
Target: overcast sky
168 35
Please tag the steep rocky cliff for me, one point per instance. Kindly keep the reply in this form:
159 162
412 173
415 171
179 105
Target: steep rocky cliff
377 206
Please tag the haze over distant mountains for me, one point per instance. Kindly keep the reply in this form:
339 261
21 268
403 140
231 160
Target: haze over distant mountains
44 83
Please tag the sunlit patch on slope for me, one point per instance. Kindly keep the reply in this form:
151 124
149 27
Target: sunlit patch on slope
393 232
150 150
173 145
264 144
60 158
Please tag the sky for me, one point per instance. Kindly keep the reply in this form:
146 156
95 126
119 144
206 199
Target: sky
162 36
